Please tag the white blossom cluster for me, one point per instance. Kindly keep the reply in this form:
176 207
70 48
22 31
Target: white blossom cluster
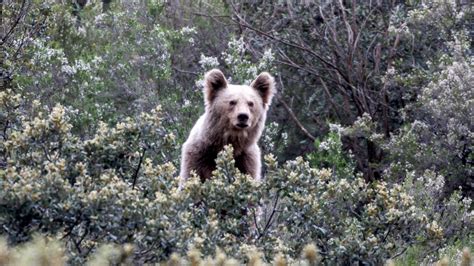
269 137
208 62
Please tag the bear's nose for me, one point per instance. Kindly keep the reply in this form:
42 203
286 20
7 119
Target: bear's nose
243 117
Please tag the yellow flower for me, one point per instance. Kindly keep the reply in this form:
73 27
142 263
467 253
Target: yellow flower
443 262
434 229
174 260
160 197
325 174
406 199
372 239
92 195
343 184
120 126
311 254
270 160
57 114
393 214
170 138
466 259
280 260
128 249
293 176
371 209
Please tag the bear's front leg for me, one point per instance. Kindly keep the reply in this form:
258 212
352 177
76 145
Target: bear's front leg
248 162
196 158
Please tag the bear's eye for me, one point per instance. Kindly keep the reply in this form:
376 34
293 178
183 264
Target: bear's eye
250 104
233 102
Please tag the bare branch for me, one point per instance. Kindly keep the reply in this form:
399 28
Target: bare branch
20 15
293 116
245 24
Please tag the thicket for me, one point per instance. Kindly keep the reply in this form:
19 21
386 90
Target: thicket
95 103
394 62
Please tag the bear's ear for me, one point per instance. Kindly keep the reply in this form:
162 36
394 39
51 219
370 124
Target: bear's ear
265 85
214 81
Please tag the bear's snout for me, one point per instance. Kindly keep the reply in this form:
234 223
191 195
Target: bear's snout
242 120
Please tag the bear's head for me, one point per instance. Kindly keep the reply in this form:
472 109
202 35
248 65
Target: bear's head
238 107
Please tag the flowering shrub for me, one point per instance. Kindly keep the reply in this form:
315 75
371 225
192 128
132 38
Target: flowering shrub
50 252
73 61
89 163
118 186
440 137
81 189
330 154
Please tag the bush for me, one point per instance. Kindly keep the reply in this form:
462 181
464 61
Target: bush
73 61
440 138
337 59
50 252
118 187
330 154
87 162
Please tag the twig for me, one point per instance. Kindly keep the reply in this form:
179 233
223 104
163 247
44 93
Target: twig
15 23
245 24
326 89
399 253
135 176
255 222
186 71
269 222
293 116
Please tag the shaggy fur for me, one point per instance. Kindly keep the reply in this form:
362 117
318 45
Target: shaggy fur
235 114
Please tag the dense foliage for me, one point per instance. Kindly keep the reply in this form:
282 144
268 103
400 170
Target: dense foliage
340 60
368 151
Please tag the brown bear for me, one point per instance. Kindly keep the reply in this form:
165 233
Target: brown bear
234 114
